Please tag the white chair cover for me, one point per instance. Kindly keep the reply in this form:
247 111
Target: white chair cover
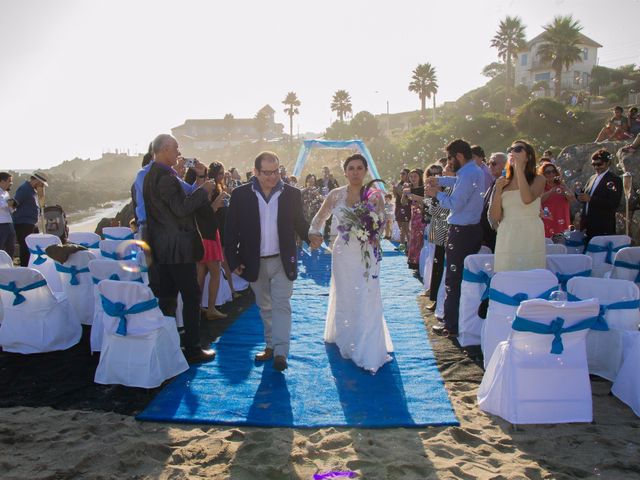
627 384
239 283
602 250
524 285
86 239
42 322
574 241
485 250
439 311
525 383
117 233
548 241
118 250
626 265
604 348
78 286
39 242
555 248
426 263
148 353
102 269
565 266
476 277
5 260
425 253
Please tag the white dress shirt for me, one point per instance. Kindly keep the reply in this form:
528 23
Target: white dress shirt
269 238
5 211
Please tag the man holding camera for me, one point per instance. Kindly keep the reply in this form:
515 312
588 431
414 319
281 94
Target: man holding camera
7 204
176 245
25 217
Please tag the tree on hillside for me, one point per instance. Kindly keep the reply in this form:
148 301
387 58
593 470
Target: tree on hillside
341 104
364 126
494 69
292 103
425 83
228 123
508 40
560 46
260 122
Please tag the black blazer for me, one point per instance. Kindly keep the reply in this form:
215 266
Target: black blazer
601 218
171 230
331 184
242 230
488 233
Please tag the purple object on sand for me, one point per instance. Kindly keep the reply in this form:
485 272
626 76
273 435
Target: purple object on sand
334 474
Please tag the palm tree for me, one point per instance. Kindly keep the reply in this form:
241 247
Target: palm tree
425 83
341 104
560 46
292 103
228 123
508 40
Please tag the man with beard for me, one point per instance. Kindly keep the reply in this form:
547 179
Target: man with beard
465 233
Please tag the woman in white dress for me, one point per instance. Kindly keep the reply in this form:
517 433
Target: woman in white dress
355 321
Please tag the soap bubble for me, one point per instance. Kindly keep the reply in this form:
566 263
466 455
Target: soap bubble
611 186
137 252
469 117
542 115
558 296
568 173
453 268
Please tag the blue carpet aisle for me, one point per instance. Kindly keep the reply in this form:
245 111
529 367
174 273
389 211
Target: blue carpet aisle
320 388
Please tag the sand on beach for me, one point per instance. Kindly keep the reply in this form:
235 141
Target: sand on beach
44 443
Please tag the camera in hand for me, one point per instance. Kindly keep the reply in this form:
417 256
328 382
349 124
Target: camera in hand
189 162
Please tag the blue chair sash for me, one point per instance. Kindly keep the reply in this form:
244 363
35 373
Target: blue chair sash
90 245
480 277
106 236
73 271
17 291
630 266
118 309
115 276
563 278
601 323
555 328
115 256
608 248
515 300
40 253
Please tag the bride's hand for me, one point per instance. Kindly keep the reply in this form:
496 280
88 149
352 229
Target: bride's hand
315 241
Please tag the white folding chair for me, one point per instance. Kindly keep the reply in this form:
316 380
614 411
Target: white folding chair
141 347
476 279
89 240
101 269
78 285
566 266
574 241
539 374
5 259
36 319
627 384
118 249
508 290
602 250
619 302
626 265
37 243
117 233
555 249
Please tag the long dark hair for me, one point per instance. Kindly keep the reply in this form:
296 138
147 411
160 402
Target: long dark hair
530 167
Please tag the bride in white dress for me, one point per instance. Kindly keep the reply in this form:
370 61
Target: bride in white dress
355 321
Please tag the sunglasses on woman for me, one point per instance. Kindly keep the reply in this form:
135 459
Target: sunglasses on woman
516 149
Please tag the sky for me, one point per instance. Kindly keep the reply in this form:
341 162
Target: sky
81 77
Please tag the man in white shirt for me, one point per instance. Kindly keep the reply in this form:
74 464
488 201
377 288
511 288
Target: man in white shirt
7 204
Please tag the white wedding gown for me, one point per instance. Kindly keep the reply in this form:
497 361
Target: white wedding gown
355 321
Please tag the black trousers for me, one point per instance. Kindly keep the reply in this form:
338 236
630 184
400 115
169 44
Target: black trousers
22 231
8 238
463 240
166 280
436 272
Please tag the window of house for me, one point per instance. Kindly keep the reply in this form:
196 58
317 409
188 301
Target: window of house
543 77
585 54
524 58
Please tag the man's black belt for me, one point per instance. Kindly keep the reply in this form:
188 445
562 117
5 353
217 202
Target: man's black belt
271 256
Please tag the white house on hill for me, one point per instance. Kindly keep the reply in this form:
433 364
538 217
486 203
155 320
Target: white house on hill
529 69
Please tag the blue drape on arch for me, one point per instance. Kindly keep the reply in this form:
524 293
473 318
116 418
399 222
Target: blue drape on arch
359 145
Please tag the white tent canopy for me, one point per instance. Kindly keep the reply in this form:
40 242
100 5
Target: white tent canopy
359 145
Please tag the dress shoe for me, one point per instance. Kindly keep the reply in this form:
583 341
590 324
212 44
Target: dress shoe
442 331
266 354
200 356
431 307
280 363
215 314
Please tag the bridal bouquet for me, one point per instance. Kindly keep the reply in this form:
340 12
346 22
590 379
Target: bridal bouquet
364 224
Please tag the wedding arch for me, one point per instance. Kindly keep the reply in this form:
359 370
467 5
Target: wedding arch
358 145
